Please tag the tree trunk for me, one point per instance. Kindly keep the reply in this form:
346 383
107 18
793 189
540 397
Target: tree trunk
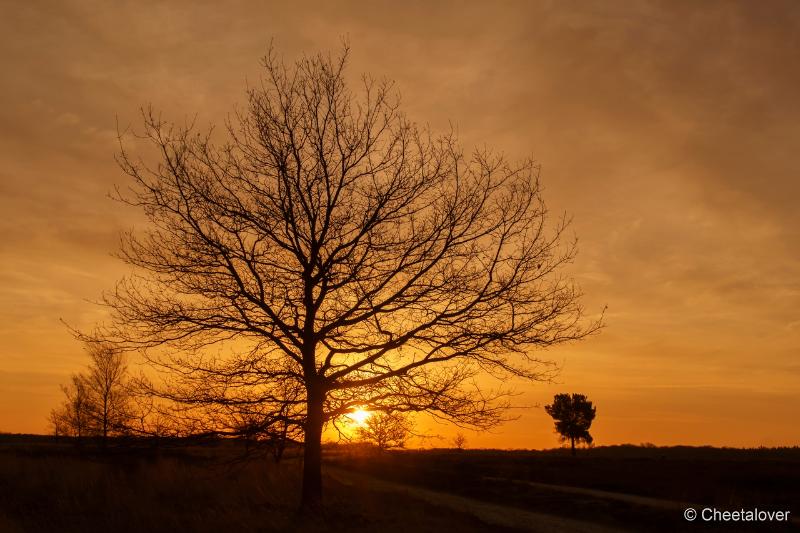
311 500
573 446
105 425
280 445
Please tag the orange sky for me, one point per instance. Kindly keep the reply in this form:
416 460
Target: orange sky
669 130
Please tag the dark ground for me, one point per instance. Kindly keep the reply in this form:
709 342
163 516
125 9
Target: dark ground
49 485
728 479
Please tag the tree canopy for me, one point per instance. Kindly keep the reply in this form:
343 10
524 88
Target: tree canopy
386 430
329 253
573 415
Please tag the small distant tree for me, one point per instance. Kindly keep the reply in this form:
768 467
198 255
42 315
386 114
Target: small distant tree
74 416
277 436
386 430
269 431
460 441
573 415
57 423
105 382
96 401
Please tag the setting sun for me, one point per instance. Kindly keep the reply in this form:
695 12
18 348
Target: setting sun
561 262
359 416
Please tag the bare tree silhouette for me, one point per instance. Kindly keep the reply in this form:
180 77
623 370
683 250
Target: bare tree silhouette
332 247
74 418
460 441
97 401
265 425
105 381
269 431
386 429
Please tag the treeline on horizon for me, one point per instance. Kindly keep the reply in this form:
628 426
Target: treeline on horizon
609 450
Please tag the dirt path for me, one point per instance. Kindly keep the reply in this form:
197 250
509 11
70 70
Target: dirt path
646 501
603 494
491 514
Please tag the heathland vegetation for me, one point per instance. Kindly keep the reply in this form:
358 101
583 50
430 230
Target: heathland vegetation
134 484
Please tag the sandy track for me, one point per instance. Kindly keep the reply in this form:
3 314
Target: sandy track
490 513
644 501
603 494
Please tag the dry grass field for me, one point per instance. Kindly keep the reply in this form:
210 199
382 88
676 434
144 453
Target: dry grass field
629 488
49 485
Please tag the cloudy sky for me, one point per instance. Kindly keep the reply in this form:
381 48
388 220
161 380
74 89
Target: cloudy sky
669 131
